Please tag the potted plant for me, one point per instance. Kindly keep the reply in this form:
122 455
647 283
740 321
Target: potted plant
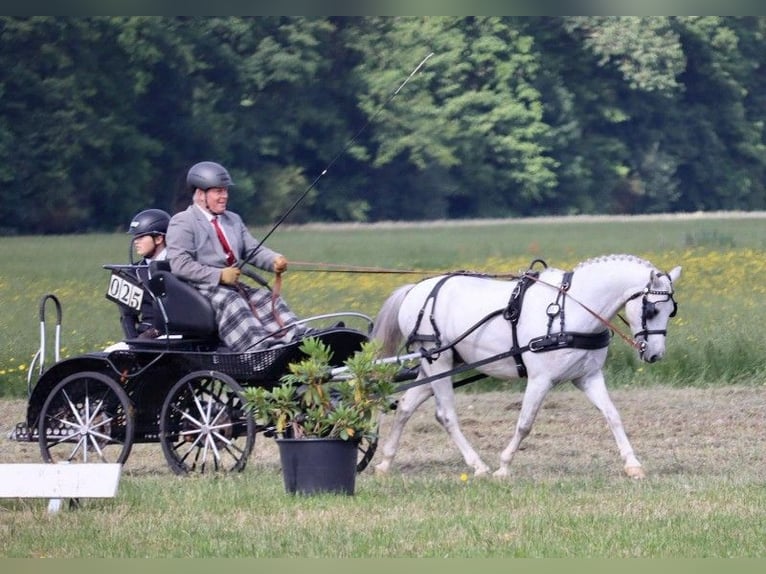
319 419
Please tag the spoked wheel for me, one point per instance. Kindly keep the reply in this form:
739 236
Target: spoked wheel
86 418
366 448
204 426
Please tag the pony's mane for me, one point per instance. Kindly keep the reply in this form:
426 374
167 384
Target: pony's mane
615 257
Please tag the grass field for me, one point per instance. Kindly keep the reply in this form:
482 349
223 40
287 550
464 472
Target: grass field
697 419
704 495
714 340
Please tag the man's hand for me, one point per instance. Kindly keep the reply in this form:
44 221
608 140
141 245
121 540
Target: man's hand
230 275
280 264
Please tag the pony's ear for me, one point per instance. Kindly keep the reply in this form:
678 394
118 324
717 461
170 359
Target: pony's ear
675 273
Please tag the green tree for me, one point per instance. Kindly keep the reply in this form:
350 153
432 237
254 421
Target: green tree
718 129
102 116
467 134
289 121
69 142
609 83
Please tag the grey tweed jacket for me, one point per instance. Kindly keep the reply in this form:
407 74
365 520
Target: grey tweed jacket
196 255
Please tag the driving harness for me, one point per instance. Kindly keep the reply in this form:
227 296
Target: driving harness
511 312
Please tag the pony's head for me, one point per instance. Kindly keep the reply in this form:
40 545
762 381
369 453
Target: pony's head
648 312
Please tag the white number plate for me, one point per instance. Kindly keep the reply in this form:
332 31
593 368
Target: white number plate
123 291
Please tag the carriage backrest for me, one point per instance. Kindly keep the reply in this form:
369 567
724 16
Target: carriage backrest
181 309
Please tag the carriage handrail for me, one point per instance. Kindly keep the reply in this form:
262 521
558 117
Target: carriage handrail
337 314
313 318
40 355
123 266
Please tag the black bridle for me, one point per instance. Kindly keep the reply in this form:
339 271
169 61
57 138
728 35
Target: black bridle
649 309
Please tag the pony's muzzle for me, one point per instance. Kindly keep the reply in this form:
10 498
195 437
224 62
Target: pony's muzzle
641 347
646 357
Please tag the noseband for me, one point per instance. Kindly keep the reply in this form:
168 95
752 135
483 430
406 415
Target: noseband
649 309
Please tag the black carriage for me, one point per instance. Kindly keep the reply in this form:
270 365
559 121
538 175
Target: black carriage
183 389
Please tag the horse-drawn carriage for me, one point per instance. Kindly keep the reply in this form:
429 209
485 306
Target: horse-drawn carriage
184 391
181 389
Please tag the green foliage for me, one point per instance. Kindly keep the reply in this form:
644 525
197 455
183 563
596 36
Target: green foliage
647 51
473 118
312 403
101 116
724 149
75 150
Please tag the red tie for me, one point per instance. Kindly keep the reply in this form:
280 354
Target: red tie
230 259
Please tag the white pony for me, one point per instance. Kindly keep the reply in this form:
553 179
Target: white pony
554 325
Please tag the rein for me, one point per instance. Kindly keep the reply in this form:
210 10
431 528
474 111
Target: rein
320 267
638 345
274 296
511 313
549 342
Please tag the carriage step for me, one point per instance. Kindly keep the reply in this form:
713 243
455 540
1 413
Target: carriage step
22 433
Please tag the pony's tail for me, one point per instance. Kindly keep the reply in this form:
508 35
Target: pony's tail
386 325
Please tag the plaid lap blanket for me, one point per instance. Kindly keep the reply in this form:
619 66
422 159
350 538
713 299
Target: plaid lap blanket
246 324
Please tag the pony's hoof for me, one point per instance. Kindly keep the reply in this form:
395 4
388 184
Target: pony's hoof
501 473
381 469
483 471
636 472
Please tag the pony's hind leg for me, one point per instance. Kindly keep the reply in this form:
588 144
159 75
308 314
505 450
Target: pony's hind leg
407 405
530 406
594 388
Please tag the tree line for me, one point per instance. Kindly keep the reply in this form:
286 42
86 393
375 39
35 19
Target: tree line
100 117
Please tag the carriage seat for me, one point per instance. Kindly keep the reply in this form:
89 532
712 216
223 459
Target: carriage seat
179 308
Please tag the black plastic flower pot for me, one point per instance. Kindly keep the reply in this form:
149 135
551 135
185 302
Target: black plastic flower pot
318 465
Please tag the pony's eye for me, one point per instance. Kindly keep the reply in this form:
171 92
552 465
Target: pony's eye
650 310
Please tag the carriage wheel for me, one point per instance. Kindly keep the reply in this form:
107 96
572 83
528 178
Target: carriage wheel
366 450
86 418
204 426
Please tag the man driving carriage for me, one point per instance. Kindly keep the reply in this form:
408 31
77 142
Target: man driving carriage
206 246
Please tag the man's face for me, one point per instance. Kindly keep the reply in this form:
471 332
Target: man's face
216 199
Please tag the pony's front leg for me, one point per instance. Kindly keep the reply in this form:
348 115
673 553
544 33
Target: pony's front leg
407 405
594 388
530 406
446 414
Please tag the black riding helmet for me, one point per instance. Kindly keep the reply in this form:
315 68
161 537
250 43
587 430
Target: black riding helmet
207 174
149 222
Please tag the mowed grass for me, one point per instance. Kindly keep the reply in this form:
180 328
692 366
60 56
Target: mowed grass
697 419
251 516
703 497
